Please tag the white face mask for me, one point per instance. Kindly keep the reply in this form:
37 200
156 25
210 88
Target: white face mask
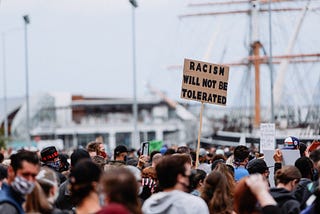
22 185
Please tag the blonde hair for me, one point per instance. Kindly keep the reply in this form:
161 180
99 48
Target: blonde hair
36 201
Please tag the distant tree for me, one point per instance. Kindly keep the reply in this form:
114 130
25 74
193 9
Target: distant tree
2 139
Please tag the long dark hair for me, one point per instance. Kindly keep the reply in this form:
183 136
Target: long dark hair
216 194
82 179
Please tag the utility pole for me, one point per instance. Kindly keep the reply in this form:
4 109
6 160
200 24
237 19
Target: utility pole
135 142
26 22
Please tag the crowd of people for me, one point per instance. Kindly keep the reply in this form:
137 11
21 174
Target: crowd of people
168 180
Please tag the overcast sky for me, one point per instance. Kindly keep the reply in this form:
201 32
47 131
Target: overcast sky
85 46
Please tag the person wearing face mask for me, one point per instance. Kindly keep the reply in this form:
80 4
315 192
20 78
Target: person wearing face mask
50 158
22 173
173 173
48 182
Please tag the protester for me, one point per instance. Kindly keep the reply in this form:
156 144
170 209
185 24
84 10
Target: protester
301 192
203 160
36 201
102 151
119 186
99 160
291 143
48 181
287 178
241 158
93 148
64 201
84 180
114 208
137 175
50 158
313 202
64 164
229 175
216 195
173 173
196 181
120 154
315 157
22 173
3 174
258 166
155 159
183 150
149 182
252 196
219 157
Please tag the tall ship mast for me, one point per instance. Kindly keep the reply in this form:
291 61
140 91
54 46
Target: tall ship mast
275 81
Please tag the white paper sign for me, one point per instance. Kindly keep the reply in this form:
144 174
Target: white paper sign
267 136
289 158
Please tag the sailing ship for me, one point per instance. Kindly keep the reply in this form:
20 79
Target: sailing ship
272 47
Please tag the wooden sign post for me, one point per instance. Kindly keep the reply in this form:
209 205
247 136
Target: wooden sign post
206 83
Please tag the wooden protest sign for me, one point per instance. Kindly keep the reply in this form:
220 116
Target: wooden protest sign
204 82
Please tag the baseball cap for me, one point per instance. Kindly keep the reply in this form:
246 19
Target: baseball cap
257 166
49 154
202 152
291 143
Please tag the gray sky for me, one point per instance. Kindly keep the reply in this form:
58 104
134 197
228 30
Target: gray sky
85 47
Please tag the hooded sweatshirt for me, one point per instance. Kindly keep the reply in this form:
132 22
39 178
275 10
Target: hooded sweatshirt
174 202
285 200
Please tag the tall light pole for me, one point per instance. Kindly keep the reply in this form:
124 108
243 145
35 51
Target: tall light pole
270 62
26 22
4 87
135 142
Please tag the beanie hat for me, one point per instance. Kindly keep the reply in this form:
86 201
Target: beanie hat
49 154
291 143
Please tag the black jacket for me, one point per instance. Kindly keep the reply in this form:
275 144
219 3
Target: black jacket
286 200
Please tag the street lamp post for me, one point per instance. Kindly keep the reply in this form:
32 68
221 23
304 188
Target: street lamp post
26 22
135 105
4 87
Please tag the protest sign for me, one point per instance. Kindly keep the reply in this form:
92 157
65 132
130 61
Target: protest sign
205 82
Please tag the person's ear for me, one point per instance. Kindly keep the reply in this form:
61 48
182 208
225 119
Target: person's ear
11 173
201 182
52 191
180 178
